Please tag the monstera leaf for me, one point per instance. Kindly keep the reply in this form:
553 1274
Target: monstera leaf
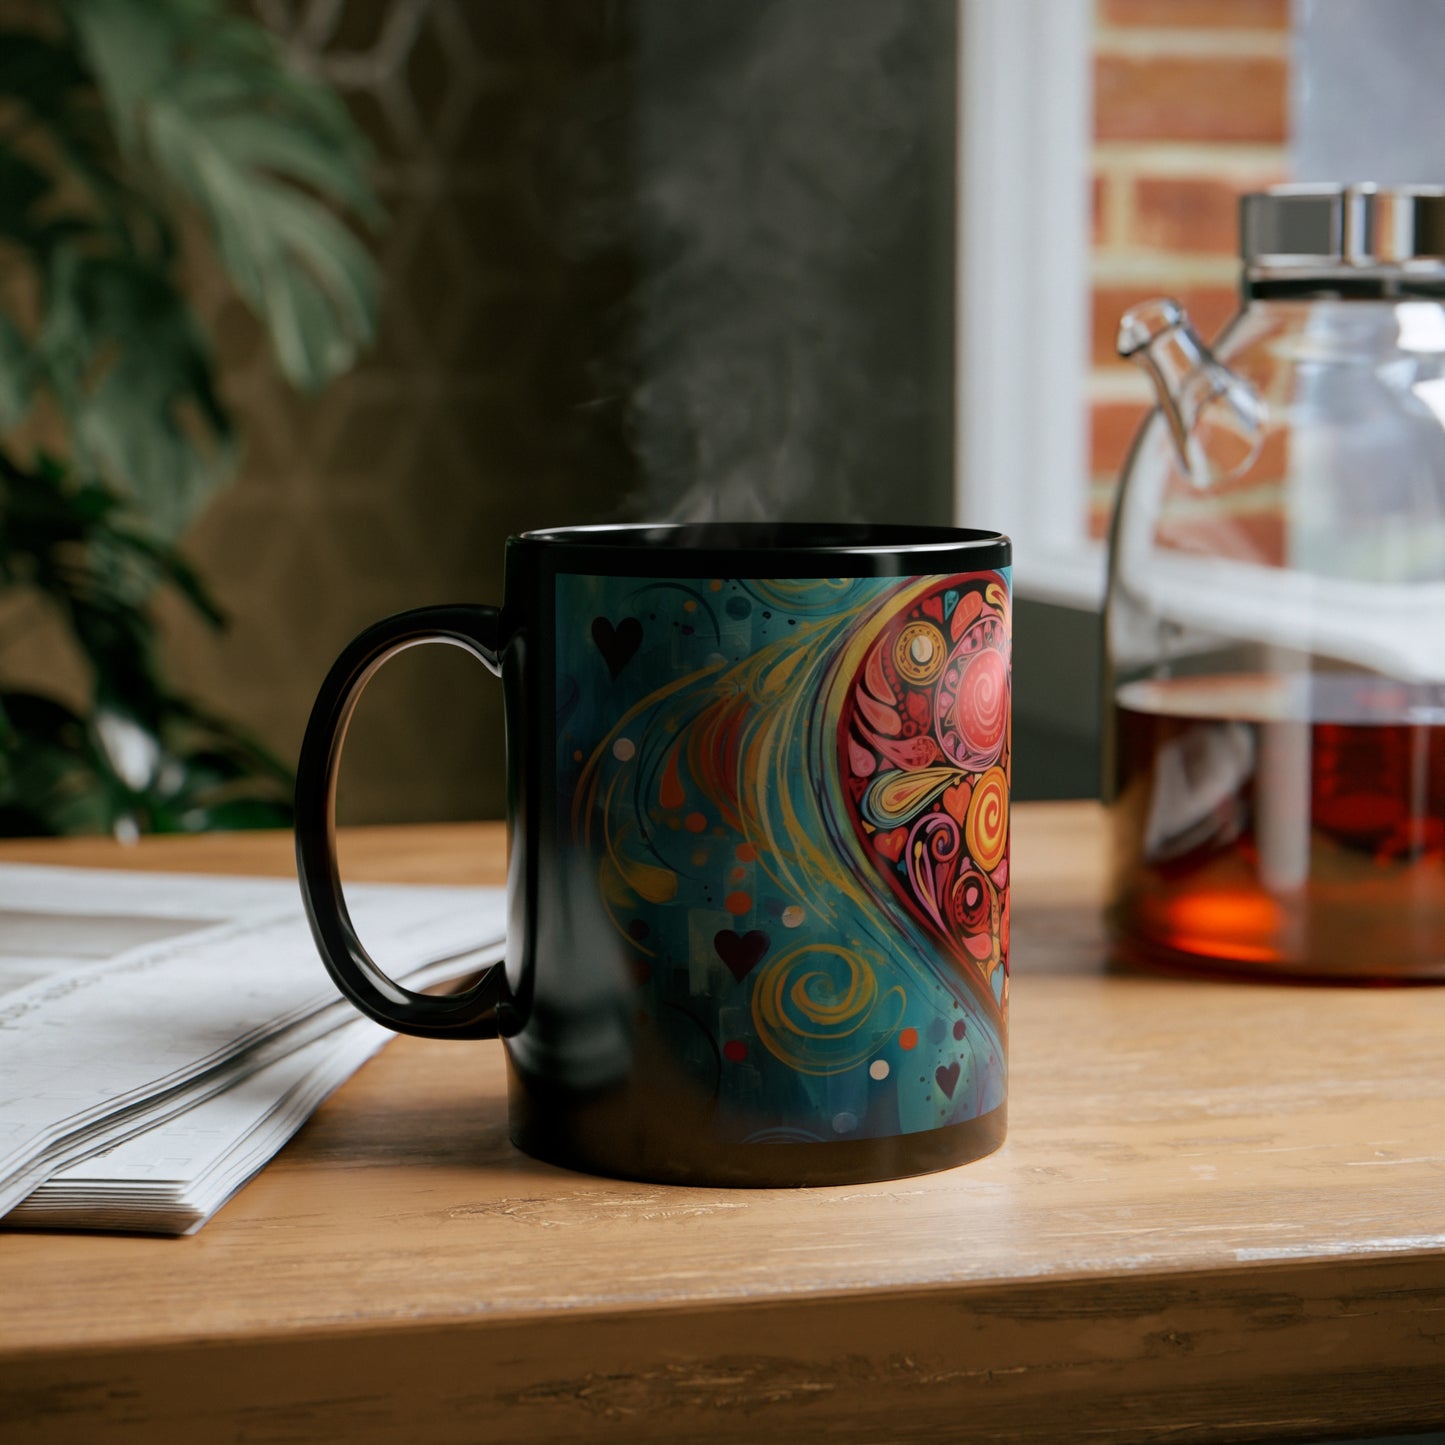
153 107
203 100
148 415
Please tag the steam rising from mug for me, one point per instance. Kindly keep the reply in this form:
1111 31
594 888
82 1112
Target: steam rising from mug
778 169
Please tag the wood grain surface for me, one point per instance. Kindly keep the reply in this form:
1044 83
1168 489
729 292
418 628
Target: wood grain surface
1220 1214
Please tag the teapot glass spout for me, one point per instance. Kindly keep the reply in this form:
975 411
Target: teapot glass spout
1216 418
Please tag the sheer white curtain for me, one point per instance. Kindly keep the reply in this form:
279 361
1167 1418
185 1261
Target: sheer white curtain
1024 120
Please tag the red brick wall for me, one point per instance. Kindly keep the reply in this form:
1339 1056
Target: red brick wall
1190 111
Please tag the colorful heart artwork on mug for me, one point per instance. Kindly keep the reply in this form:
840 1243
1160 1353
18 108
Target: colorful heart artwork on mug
794 796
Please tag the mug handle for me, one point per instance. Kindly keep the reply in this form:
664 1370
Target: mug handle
471 1014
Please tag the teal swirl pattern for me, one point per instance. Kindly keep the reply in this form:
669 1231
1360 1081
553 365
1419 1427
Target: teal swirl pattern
704 780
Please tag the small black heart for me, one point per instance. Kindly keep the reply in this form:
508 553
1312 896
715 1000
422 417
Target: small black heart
740 951
619 644
947 1078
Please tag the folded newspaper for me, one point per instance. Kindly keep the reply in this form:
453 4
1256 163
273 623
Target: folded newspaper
162 1035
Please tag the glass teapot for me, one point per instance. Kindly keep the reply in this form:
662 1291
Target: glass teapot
1275 623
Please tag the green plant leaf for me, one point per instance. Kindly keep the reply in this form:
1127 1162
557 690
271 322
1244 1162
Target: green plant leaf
217 732
134 378
17 375
51 783
136 104
63 773
40 74
171 567
264 152
73 545
52 90
129 47
22 185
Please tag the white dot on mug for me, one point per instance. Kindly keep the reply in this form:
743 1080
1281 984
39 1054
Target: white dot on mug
623 749
878 1069
792 916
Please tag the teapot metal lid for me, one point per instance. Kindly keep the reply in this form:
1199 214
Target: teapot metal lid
1341 230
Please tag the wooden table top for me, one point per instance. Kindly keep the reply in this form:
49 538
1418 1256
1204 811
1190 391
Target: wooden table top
1220 1213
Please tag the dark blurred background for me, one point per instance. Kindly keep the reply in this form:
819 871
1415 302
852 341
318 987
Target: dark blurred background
660 257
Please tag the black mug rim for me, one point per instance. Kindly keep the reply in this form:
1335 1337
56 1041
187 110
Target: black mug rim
766 549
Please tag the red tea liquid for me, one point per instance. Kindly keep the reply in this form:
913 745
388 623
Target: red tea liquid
1281 825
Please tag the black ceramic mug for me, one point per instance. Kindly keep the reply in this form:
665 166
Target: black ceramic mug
758 808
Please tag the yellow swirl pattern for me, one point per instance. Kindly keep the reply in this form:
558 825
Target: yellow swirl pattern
819 1010
986 830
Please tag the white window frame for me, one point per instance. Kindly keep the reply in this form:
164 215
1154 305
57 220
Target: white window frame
1025 122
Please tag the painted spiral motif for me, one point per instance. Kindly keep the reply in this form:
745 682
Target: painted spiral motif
986 829
970 903
820 1010
973 698
924 746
